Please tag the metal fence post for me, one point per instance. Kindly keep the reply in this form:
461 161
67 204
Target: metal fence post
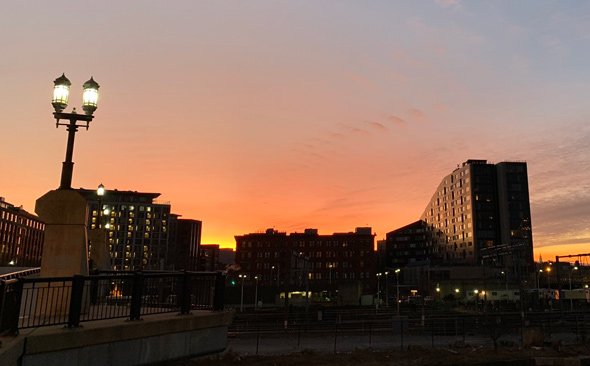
13 318
432 331
463 326
257 338
2 304
185 296
76 295
136 294
335 336
583 330
577 330
401 334
218 300
10 299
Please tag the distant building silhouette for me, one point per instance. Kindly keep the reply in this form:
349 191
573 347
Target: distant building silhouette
184 244
21 236
227 257
409 245
209 257
308 260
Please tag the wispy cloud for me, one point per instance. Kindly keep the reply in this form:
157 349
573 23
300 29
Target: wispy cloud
448 3
354 129
376 126
396 120
416 115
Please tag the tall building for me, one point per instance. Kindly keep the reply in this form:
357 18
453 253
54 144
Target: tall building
184 244
309 259
481 213
137 227
21 236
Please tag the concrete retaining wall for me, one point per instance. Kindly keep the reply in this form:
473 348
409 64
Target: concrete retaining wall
120 342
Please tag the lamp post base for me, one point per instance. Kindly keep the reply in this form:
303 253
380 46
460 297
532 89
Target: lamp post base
65 246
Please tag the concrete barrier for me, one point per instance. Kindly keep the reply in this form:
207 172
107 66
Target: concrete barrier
120 342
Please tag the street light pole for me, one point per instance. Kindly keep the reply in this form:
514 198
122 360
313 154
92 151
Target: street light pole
100 193
551 294
397 288
378 290
61 92
256 293
575 268
539 286
243 277
386 289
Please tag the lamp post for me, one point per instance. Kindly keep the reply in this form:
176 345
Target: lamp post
505 280
539 287
100 192
242 277
574 268
397 271
386 289
551 294
378 289
61 93
256 293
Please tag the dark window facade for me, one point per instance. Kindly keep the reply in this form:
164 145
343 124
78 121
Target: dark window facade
306 259
137 228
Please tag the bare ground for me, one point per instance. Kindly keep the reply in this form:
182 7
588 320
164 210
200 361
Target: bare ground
461 354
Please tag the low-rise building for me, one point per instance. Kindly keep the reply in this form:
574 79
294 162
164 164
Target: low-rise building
308 260
21 236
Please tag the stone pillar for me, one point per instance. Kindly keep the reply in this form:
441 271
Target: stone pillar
99 252
65 248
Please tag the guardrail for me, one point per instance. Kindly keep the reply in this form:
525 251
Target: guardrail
36 302
20 273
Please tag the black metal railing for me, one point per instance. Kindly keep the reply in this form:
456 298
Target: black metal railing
36 302
349 329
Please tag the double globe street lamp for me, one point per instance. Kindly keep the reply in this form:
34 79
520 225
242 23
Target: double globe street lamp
61 94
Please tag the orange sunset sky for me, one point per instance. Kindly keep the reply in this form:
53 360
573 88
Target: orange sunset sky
295 114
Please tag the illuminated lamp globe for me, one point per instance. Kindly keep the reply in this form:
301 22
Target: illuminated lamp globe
90 96
100 190
61 93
